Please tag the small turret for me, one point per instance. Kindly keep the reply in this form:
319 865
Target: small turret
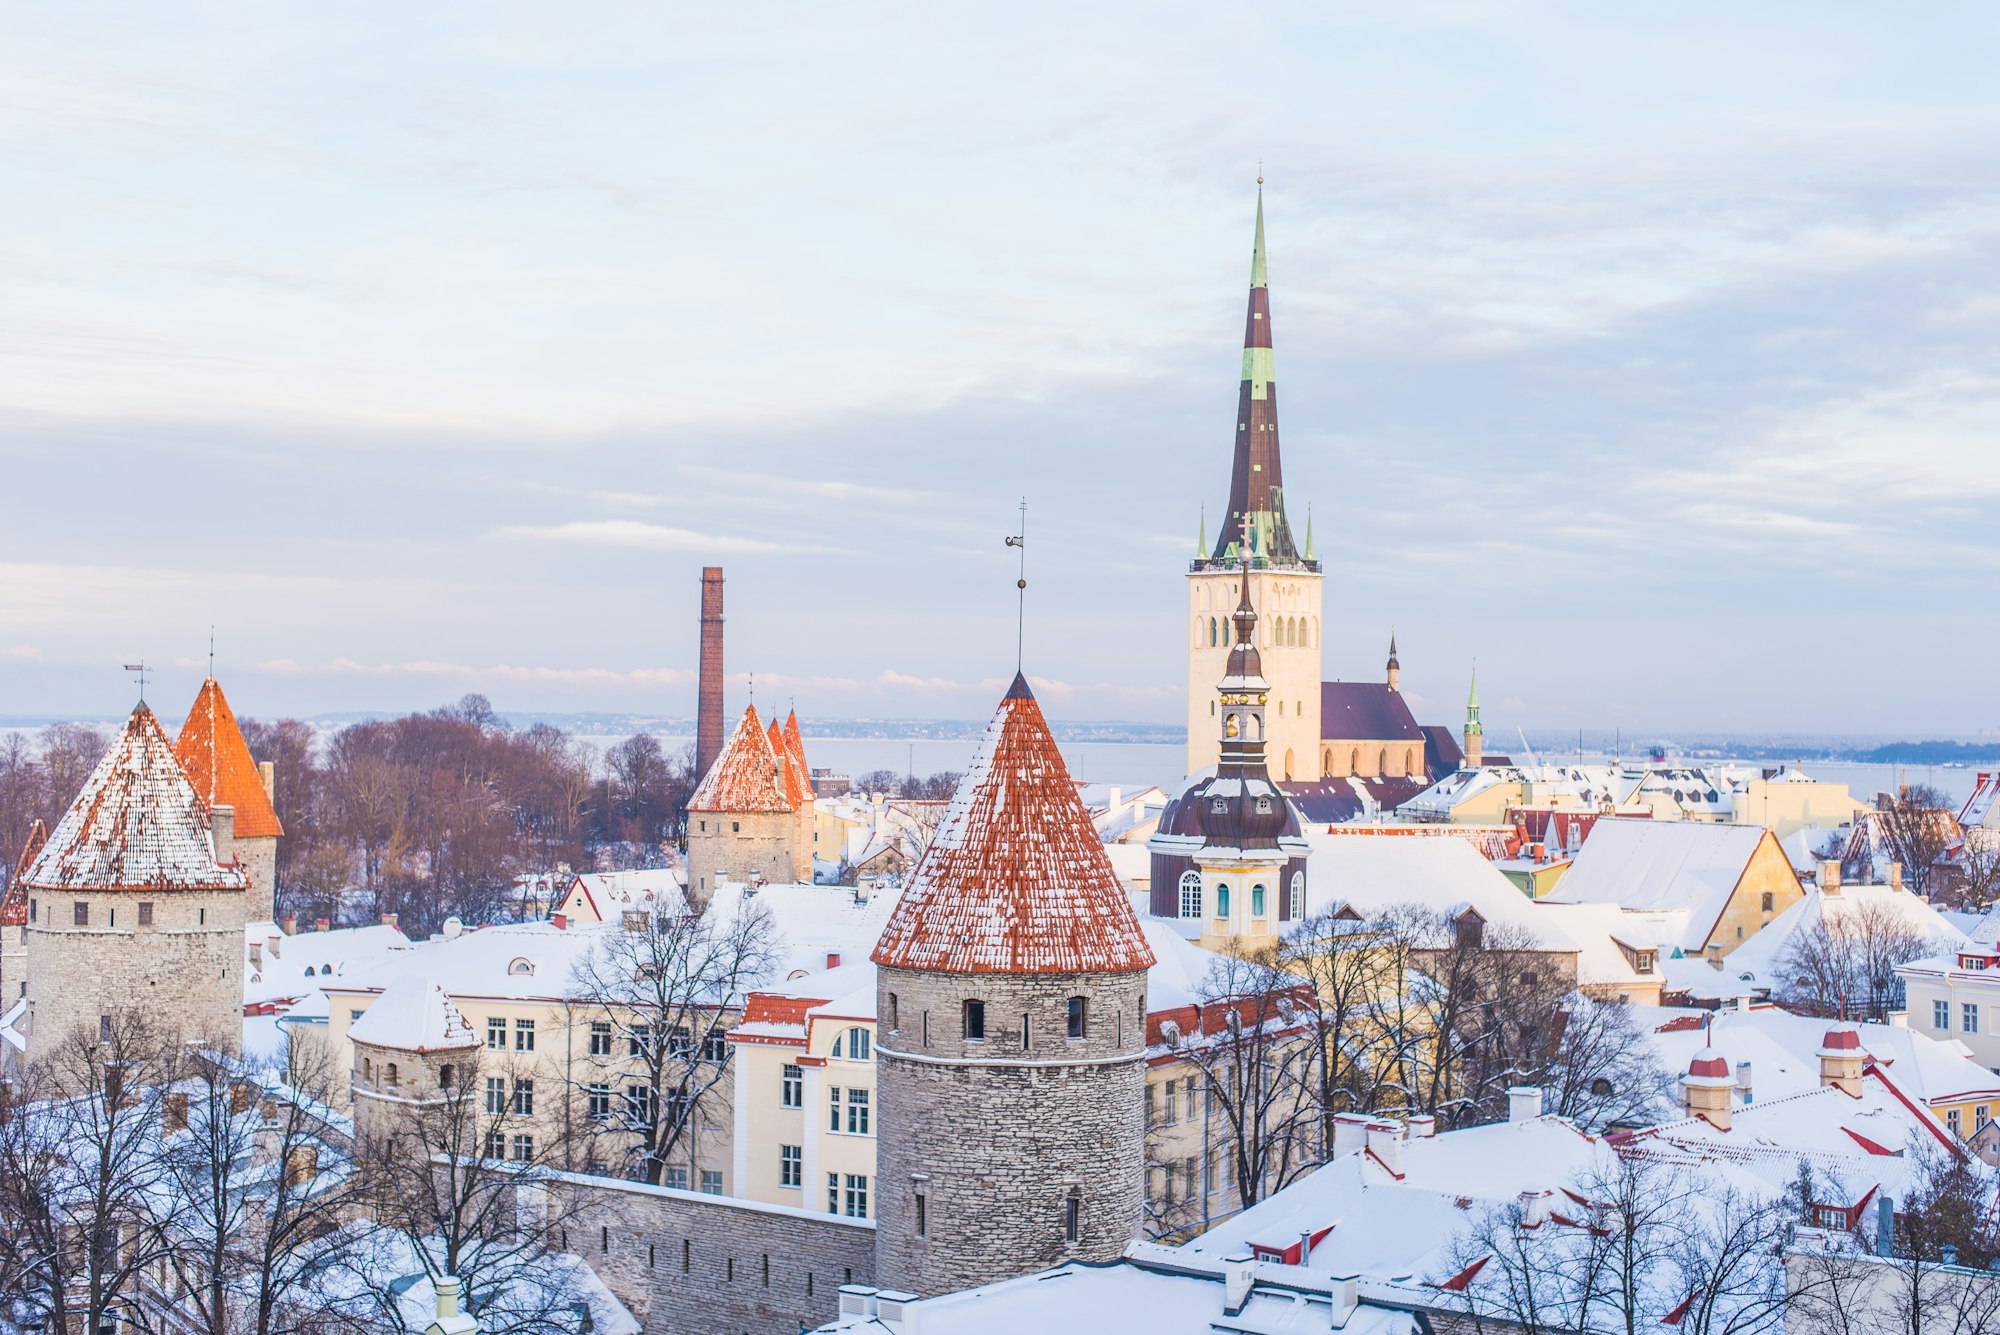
1475 733
1395 668
1707 1088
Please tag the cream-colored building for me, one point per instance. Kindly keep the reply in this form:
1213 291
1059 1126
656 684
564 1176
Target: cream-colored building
1788 801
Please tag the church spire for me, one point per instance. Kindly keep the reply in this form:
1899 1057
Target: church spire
1475 732
1395 667
1256 483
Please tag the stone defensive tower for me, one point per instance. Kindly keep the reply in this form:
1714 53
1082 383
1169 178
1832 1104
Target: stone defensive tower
1011 1012
218 763
708 686
137 901
745 817
14 921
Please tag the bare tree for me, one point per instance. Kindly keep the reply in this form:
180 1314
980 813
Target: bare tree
1250 1048
656 995
1352 970
79 1166
1976 871
1845 962
1915 827
464 1181
1604 1073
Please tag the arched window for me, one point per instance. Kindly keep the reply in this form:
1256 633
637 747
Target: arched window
1231 727
1190 894
857 1044
1298 905
1256 901
1354 761
1769 901
521 966
1382 761
1211 633
392 1073
1326 764
1222 901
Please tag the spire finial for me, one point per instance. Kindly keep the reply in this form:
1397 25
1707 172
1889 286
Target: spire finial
1201 543
1258 276
1309 531
1020 540
211 651
140 668
753 688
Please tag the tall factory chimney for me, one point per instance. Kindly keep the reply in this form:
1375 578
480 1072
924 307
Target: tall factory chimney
708 692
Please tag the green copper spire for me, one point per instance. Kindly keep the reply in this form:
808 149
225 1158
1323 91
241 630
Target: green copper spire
1472 727
1258 278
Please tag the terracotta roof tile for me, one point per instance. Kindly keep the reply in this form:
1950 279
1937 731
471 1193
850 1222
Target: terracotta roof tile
1015 879
746 776
137 824
212 751
797 746
796 787
14 907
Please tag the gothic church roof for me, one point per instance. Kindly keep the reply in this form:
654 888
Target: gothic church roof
212 751
138 824
1015 880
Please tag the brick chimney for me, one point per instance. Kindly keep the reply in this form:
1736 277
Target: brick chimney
708 687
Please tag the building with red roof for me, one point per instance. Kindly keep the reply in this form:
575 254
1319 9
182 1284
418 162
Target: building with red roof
1011 1003
211 749
137 901
751 816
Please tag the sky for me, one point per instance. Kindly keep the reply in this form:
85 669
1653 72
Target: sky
1644 355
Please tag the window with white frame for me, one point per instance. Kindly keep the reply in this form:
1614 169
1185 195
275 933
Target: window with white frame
1941 1016
496 1096
857 1196
792 1088
791 1165
600 1038
857 1112
599 1102
1190 894
496 1033
1971 1017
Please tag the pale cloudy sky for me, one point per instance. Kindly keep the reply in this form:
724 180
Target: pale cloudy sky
1646 354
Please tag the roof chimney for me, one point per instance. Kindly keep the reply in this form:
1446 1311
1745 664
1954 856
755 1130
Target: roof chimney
1829 877
708 688
1524 1103
1840 1060
1423 1126
267 773
449 1320
222 821
1895 876
1743 1079
1350 1134
1706 1089
1385 1142
833 959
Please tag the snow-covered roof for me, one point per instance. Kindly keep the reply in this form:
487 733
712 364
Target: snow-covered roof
1160 1290
212 751
413 1014
746 776
1442 875
138 824
1675 864
1608 939
606 894
280 968
1847 908
1015 880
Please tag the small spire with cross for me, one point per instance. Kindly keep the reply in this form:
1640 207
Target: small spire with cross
1020 540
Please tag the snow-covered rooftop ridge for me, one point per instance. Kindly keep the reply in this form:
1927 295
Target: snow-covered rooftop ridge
138 824
1015 879
1375 874
747 775
413 1014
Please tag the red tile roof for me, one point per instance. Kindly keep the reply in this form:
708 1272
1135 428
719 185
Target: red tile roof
1015 879
798 788
14 907
138 824
218 763
747 776
797 746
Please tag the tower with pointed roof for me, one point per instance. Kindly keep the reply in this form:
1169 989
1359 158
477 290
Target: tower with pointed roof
218 762
1284 581
1475 732
1394 673
137 901
14 921
1230 853
751 815
1010 1040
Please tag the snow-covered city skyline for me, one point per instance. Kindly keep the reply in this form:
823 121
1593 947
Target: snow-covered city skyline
1648 364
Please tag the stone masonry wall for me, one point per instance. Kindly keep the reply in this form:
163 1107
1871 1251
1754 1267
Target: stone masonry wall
183 971
738 844
689 1264
260 859
997 1138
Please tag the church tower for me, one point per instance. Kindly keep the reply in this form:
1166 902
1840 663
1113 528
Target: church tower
1475 732
1284 582
1230 854
1010 1048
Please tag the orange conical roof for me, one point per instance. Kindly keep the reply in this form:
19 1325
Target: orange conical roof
794 780
747 775
1015 880
14 907
138 824
797 746
212 751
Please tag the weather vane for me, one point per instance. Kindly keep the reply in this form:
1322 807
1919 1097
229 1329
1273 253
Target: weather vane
1020 540
140 668
211 651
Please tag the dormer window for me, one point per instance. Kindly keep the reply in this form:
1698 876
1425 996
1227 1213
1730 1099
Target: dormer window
1263 806
1219 806
521 967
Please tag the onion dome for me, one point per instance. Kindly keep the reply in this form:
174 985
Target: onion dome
138 824
218 763
1015 880
747 776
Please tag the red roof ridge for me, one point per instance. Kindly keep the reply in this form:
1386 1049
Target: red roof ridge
747 775
219 765
1015 879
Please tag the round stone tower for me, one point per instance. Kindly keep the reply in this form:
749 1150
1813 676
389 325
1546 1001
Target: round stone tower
137 903
1011 1011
